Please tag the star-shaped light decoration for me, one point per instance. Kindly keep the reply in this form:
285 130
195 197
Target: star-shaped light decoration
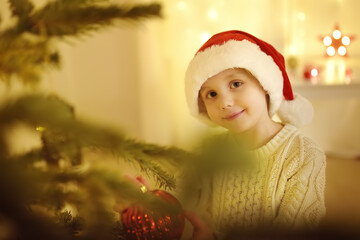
336 43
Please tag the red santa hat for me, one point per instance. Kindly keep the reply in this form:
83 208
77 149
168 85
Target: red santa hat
237 49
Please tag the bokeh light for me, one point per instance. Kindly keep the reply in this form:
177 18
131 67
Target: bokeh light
342 50
327 41
336 34
330 51
345 40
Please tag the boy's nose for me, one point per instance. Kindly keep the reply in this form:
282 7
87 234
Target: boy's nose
226 103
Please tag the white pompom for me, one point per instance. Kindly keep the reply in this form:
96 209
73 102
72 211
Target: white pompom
298 112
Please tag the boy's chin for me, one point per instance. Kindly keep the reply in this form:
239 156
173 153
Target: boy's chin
235 129
240 129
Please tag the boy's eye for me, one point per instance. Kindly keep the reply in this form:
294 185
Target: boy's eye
235 84
211 94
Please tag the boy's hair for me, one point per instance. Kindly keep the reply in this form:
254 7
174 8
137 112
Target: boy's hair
237 49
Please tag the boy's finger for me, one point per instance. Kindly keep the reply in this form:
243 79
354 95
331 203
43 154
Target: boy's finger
118 207
194 220
201 230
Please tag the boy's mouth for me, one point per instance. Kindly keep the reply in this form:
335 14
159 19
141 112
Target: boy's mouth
232 116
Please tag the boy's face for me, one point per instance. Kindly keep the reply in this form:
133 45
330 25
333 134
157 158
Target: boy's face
234 99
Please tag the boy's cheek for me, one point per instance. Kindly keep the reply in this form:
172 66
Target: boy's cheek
214 118
202 106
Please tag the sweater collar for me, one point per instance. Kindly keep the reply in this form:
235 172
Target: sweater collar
270 147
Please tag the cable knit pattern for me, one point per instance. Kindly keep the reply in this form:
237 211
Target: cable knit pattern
285 188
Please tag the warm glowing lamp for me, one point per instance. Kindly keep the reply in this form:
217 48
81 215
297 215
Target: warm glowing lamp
336 71
336 42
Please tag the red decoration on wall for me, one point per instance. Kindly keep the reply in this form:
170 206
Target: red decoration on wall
311 73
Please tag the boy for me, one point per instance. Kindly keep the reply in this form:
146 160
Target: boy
239 82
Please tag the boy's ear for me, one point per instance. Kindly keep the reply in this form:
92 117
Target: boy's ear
202 107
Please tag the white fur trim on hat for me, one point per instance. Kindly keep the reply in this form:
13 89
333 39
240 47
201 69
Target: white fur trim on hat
233 54
298 112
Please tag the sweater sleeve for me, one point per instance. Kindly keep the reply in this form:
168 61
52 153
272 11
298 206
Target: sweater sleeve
302 204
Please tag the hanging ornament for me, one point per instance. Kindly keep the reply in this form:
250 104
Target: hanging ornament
336 43
144 224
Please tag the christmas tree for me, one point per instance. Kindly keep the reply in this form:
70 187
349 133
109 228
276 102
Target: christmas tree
66 188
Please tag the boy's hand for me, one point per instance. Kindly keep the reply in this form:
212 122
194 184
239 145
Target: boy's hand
201 230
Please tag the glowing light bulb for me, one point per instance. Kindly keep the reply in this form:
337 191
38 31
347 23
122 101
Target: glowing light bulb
342 50
327 41
345 40
314 72
212 14
336 34
205 36
330 51
40 129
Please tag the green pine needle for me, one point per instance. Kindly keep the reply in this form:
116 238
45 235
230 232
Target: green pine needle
21 8
39 184
53 113
59 20
26 59
73 224
25 47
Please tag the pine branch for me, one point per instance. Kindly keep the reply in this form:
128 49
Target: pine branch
35 180
152 158
148 166
82 2
21 8
176 155
28 158
25 58
35 110
59 20
72 224
53 113
20 186
126 190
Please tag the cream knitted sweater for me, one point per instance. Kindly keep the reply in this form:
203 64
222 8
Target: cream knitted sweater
286 188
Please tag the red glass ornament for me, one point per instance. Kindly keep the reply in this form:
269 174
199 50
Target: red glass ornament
142 224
